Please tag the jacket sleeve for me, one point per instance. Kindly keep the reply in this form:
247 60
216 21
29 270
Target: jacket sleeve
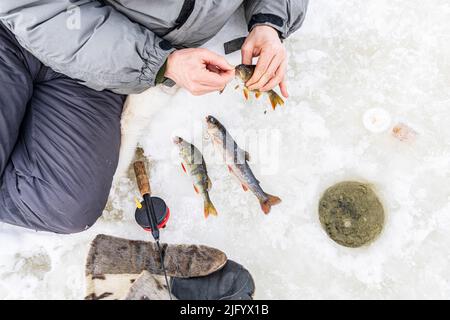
286 16
87 41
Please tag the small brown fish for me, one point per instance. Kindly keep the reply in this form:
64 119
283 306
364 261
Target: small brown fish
194 164
245 72
237 163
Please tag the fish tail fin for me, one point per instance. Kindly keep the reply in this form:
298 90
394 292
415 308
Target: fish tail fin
275 99
267 204
210 210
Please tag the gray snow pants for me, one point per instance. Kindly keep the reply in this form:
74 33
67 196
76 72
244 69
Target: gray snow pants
59 144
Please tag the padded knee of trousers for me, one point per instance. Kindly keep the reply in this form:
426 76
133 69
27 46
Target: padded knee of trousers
56 208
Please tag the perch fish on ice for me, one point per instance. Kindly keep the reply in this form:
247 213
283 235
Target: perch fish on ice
236 159
194 164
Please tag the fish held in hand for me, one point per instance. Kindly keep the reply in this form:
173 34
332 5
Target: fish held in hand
237 161
194 164
245 72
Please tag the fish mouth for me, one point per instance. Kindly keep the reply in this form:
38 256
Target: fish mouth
177 140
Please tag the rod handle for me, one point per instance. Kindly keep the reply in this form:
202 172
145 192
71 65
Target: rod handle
142 178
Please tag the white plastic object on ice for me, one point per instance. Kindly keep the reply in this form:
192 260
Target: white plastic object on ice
377 120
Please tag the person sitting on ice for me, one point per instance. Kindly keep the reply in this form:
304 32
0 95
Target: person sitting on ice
66 67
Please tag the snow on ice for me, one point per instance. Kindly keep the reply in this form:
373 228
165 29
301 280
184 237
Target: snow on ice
350 57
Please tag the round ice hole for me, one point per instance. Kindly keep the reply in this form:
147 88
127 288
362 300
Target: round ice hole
351 214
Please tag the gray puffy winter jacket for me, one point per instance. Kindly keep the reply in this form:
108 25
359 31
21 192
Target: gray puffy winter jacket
121 45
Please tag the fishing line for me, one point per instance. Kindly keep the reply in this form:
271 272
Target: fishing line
164 269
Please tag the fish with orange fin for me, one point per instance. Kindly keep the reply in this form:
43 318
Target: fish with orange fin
237 161
244 72
194 164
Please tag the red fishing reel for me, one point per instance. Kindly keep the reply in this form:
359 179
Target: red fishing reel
161 210
152 213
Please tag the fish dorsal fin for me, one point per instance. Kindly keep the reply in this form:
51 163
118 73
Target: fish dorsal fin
240 153
209 184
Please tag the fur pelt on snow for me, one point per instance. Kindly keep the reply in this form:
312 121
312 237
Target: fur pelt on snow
115 265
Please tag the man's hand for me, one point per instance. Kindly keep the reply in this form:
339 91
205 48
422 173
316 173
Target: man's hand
200 71
264 42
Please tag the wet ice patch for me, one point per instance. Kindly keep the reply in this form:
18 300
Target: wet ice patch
36 264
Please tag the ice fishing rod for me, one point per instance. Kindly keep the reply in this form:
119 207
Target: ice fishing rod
152 213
